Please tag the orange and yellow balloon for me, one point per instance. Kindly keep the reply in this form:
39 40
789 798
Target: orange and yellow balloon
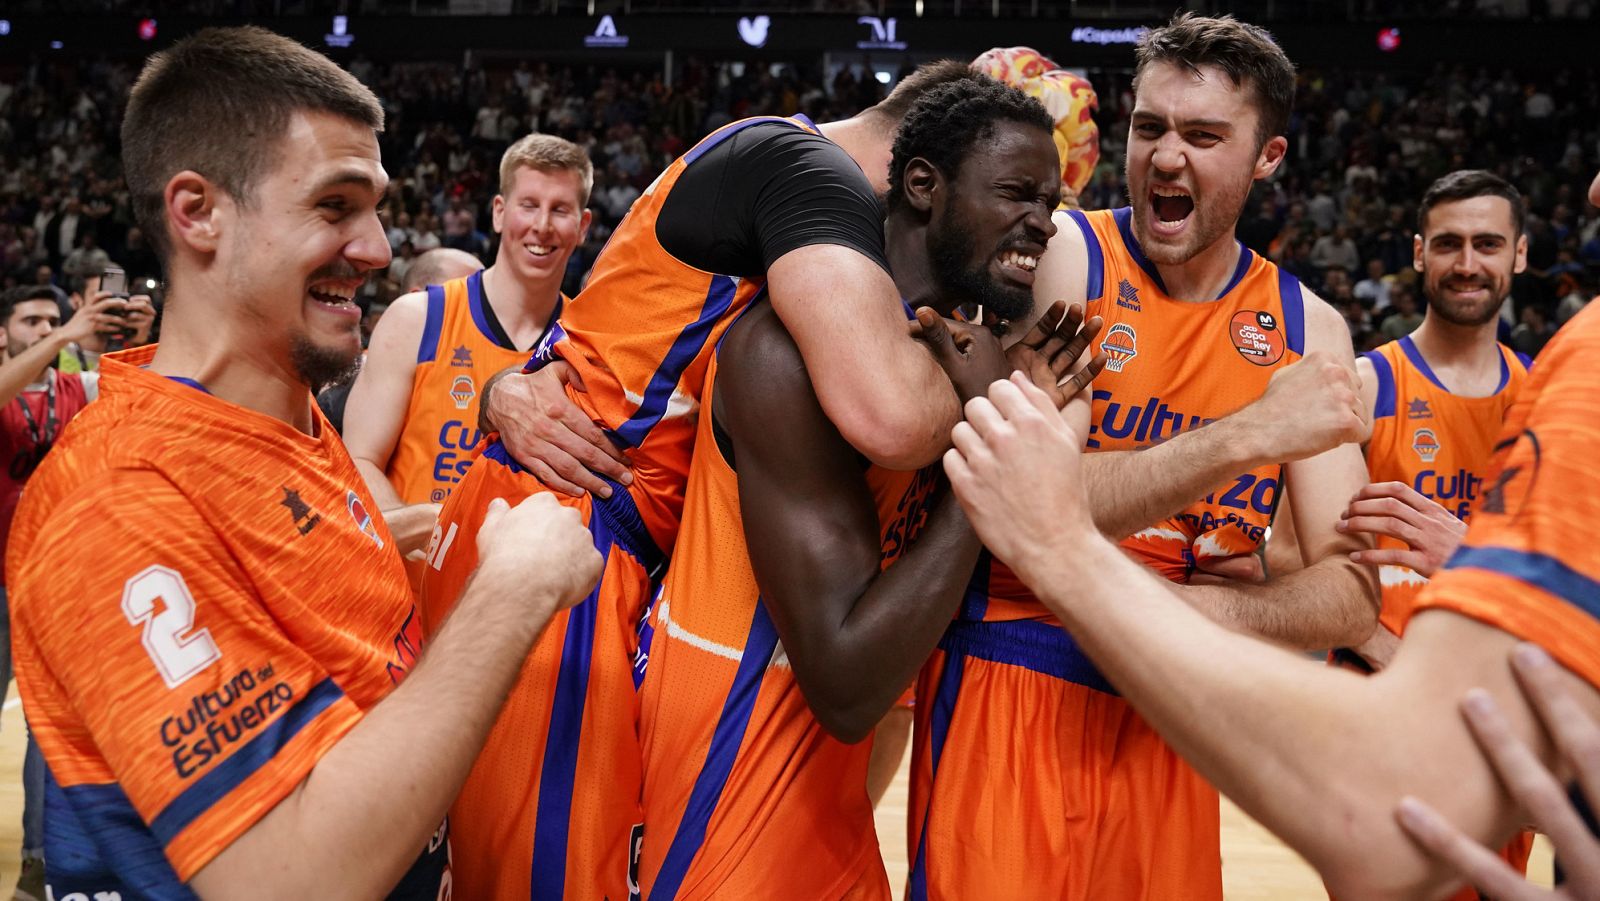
1070 100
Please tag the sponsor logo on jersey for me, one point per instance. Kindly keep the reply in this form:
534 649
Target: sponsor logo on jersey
1425 444
1121 345
462 391
1417 408
461 357
1256 337
304 519
363 519
215 721
1128 296
1137 423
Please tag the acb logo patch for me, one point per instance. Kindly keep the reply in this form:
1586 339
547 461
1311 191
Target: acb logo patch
1256 336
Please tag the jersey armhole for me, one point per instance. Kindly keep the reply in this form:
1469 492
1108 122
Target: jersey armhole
1383 404
428 347
1095 283
1293 303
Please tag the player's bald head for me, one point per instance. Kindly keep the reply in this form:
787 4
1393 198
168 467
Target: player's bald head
437 266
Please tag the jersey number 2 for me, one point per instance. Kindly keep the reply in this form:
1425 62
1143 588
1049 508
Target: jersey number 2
178 653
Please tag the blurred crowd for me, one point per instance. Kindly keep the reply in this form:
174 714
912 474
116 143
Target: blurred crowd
1340 214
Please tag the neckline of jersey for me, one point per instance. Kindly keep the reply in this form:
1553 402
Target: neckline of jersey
1124 219
483 316
1414 354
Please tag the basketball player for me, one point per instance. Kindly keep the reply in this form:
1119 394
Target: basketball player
807 588
413 412
210 623
438 266
552 806
1094 804
1304 749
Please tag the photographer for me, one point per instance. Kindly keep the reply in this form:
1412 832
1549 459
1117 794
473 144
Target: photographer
38 402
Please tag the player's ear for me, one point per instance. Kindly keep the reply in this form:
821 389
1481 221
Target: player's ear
919 183
1416 253
498 213
1270 157
192 203
1522 255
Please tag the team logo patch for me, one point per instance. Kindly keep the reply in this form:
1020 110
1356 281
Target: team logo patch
363 519
1417 408
462 391
1256 337
1128 296
1425 444
461 357
1121 345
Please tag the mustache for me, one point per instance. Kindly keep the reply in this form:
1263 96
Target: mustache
337 270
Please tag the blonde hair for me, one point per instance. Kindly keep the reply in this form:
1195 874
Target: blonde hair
547 153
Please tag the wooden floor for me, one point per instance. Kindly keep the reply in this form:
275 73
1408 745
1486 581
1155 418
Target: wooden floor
1256 866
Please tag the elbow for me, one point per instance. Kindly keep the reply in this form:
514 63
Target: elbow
900 439
845 721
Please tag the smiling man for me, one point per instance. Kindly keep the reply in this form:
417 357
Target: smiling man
412 418
1094 804
211 627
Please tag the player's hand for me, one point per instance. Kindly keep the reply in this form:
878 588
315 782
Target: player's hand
1051 353
1310 406
969 354
1017 468
1379 650
538 550
1540 794
412 526
546 432
1227 570
1394 509
99 314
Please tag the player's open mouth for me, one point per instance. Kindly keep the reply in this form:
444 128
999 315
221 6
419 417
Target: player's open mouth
335 297
540 250
1170 207
1016 259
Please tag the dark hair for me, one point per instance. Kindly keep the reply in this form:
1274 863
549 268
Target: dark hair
948 121
1247 53
217 103
1465 184
916 85
10 300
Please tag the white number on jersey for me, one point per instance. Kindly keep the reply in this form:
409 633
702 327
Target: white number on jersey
177 653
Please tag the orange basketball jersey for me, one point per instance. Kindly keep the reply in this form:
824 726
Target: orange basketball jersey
640 335
745 794
1123 816
1440 445
551 807
462 345
1529 565
203 604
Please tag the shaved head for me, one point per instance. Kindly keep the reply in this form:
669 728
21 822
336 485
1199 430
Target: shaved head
437 266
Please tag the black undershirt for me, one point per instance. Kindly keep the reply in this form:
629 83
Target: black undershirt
764 191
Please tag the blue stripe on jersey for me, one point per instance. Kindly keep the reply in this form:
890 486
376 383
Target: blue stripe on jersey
1421 363
1383 404
975 603
1096 288
243 763
95 842
728 131
428 347
726 739
1540 570
1524 359
475 302
560 767
190 383
1038 646
687 346
1293 302
944 708
1124 219
544 352
1245 258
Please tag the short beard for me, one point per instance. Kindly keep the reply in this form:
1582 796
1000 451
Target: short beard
319 367
1458 316
949 249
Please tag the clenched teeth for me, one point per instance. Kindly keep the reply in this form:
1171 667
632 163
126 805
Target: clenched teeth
1019 261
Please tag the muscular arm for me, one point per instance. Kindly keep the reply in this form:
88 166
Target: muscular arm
854 635
376 410
883 392
1333 601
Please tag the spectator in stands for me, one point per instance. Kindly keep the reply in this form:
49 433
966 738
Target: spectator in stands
1533 331
1374 289
1336 251
1404 318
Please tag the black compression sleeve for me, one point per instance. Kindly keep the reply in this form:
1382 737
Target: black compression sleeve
767 190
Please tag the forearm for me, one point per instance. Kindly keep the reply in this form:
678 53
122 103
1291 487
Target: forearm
897 411
1310 751
378 483
870 656
400 767
1330 604
1131 490
489 412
